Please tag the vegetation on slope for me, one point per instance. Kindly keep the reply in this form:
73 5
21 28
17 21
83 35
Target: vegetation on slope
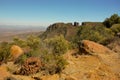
114 19
68 30
55 42
99 34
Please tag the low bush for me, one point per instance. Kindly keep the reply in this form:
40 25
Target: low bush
116 28
99 34
53 63
114 19
4 52
58 44
19 42
33 42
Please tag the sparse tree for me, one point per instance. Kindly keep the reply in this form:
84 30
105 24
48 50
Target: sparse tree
114 19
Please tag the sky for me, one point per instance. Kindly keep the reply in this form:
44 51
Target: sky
46 12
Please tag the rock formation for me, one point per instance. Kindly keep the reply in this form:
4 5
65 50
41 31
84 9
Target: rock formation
101 64
66 29
76 24
90 47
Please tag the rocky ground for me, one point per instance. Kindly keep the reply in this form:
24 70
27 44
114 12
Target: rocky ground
100 63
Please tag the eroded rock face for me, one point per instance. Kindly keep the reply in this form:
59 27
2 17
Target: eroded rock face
90 47
32 65
16 51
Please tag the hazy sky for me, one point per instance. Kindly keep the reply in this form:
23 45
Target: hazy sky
45 12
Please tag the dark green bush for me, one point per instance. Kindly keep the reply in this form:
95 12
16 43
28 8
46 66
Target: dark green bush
21 59
116 28
114 19
98 34
4 51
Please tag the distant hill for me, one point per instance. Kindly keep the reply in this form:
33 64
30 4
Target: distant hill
9 37
68 30
20 28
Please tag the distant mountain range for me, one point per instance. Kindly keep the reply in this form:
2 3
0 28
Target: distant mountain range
7 32
20 28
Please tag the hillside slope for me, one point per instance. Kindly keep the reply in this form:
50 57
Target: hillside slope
101 64
66 29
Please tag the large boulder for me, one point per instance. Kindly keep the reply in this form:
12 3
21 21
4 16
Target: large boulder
90 47
16 51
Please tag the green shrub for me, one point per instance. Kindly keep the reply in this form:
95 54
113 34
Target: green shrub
58 44
21 59
61 63
114 19
4 51
19 42
98 34
33 42
53 63
115 28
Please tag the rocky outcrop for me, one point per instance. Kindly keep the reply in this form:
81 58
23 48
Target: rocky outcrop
90 67
16 51
76 24
32 65
66 29
90 47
